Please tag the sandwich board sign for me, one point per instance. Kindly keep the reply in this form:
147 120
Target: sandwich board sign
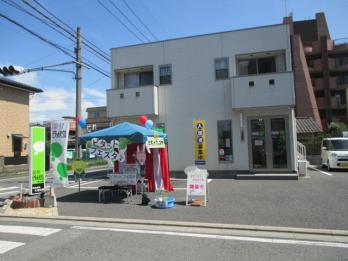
37 160
196 187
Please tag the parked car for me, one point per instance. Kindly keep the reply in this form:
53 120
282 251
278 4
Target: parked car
334 153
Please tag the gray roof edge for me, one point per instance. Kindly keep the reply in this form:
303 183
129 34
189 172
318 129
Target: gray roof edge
18 85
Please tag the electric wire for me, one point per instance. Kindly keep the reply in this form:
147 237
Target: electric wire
118 20
69 31
61 48
140 20
129 21
69 27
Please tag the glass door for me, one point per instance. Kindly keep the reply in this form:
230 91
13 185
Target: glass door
269 146
279 143
258 143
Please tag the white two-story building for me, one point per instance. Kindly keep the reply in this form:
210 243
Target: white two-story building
240 82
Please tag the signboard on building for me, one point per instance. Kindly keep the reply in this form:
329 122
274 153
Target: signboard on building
59 146
199 133
196 184
37 160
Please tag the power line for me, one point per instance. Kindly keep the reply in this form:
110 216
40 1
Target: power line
69 31
125 16
61 48
118 20
140 20
18 7
68 26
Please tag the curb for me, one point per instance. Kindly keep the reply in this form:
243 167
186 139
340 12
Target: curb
254 228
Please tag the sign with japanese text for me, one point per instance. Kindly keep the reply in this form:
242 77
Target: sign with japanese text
111 151
196 184
37 160
155 142
199 131
59 146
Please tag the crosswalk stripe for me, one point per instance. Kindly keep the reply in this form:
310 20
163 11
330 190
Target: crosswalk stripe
9 245
8 188
35 231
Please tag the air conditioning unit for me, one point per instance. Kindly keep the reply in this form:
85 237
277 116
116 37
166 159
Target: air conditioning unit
94 127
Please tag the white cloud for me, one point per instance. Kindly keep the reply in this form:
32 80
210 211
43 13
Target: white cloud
52 100
95 93
38 117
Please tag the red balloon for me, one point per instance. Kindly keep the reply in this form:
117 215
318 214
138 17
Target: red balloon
142 119
79 118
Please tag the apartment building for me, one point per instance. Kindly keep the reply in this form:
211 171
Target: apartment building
320 67
240 82
14 124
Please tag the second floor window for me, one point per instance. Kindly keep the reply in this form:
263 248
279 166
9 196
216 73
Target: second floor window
221 68
138 79
165 74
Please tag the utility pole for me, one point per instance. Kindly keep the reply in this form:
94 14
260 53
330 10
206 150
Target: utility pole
78 78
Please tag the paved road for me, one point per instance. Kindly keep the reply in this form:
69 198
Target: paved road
319 201
76 241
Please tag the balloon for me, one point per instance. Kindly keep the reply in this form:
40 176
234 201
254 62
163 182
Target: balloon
82 123
79 118
149 124
142 119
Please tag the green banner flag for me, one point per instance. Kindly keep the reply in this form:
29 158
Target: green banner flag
37 160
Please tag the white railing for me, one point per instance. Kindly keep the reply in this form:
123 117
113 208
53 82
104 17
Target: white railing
301 151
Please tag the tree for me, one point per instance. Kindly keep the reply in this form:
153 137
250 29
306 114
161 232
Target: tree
336 128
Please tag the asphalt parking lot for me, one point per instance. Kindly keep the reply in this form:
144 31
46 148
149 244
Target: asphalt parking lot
317 201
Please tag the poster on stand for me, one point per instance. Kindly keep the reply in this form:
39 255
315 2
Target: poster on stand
199 131
37 160
59 146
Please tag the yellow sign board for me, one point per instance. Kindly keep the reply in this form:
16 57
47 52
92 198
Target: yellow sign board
199 131
78 166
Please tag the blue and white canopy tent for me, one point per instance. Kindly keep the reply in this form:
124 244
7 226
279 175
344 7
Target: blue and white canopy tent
131 135
133 132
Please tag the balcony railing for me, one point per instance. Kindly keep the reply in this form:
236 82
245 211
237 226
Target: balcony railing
263 90
132 101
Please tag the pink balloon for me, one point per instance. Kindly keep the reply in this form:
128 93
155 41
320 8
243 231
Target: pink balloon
142 119
79 118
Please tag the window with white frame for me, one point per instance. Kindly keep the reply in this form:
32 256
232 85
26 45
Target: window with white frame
221 68
165 74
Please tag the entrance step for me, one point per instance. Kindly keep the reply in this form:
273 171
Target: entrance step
273 176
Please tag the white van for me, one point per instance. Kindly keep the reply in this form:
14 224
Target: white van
334 153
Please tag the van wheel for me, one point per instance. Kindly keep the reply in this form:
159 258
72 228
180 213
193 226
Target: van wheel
328 166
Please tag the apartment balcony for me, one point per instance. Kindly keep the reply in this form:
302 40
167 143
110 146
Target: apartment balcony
132 101
340 47
263 90
336 103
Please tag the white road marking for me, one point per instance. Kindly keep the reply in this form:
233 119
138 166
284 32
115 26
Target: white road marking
26 230
8 188
83 183
9 245
9 192
209 180
179 188
326 173
82 187
210 236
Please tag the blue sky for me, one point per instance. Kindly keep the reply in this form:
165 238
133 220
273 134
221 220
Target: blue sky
166 19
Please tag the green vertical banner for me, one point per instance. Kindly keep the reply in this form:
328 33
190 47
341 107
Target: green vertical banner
37 160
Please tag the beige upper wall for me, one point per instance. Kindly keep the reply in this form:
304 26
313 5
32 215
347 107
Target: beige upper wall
14 119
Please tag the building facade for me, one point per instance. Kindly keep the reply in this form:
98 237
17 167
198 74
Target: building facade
239 82
321 71
97 119
14 122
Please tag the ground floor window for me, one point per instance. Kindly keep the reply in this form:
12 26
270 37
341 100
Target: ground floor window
17 144
225 140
